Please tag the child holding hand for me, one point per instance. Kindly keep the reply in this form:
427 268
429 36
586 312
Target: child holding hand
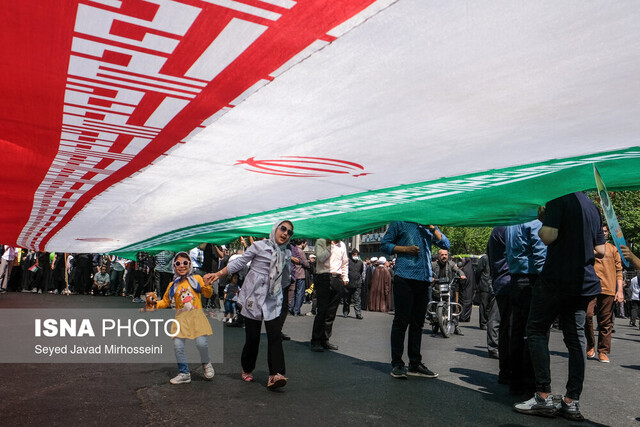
185 292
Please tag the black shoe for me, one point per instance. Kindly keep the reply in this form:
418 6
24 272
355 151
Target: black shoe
398 372
421 371
327 345
494 355
483 328
286 337
316 347
457 331
345 314
359 316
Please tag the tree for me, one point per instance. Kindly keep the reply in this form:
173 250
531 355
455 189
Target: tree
466 240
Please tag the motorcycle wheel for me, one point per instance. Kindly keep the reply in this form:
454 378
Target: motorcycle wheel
434 328
443 321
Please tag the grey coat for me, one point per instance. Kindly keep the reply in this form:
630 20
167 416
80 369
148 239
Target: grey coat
254 296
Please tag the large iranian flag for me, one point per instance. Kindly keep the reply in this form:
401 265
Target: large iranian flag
159 124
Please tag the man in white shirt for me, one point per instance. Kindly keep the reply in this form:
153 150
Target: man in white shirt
6 264
332 274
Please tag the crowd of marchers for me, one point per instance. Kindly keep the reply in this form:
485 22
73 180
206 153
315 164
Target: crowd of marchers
559 270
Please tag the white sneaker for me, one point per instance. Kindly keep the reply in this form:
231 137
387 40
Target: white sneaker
537 405
208 371
181 379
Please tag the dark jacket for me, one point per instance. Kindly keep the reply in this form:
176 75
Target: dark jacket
355 273
500 277
483 274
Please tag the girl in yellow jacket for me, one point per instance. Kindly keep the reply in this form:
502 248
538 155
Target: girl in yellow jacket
184 292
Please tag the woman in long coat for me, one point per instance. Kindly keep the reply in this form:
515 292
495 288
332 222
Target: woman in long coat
380 293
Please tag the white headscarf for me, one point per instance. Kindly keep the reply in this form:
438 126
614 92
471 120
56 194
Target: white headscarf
278 257
189 276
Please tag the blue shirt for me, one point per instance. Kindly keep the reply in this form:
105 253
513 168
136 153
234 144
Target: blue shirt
416 267
525 252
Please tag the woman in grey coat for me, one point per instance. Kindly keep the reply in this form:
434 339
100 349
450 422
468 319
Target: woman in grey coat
261 299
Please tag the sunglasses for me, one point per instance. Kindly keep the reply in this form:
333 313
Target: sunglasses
286 230
178 263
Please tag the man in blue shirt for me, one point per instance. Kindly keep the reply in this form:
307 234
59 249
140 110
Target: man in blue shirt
413 275
572 231
525 254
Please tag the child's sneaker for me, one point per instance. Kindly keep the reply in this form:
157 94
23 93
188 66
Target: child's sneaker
537 406
208 371
181 378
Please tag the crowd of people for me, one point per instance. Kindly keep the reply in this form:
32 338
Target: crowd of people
558 268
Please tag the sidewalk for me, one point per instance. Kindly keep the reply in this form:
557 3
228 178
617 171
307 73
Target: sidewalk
351 386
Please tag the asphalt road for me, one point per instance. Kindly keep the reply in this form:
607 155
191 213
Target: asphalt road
351 386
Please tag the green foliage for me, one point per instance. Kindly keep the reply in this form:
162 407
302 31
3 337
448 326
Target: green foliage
466 240
626 204
473 240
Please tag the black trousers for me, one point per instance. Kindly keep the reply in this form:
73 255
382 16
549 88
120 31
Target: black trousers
165 279
484 308
103 291
522 376
411 307
285 307
504 306
466 300
275 353
351 294
142 283
82 280
329 294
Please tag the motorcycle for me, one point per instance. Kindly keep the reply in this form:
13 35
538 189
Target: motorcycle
442 310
